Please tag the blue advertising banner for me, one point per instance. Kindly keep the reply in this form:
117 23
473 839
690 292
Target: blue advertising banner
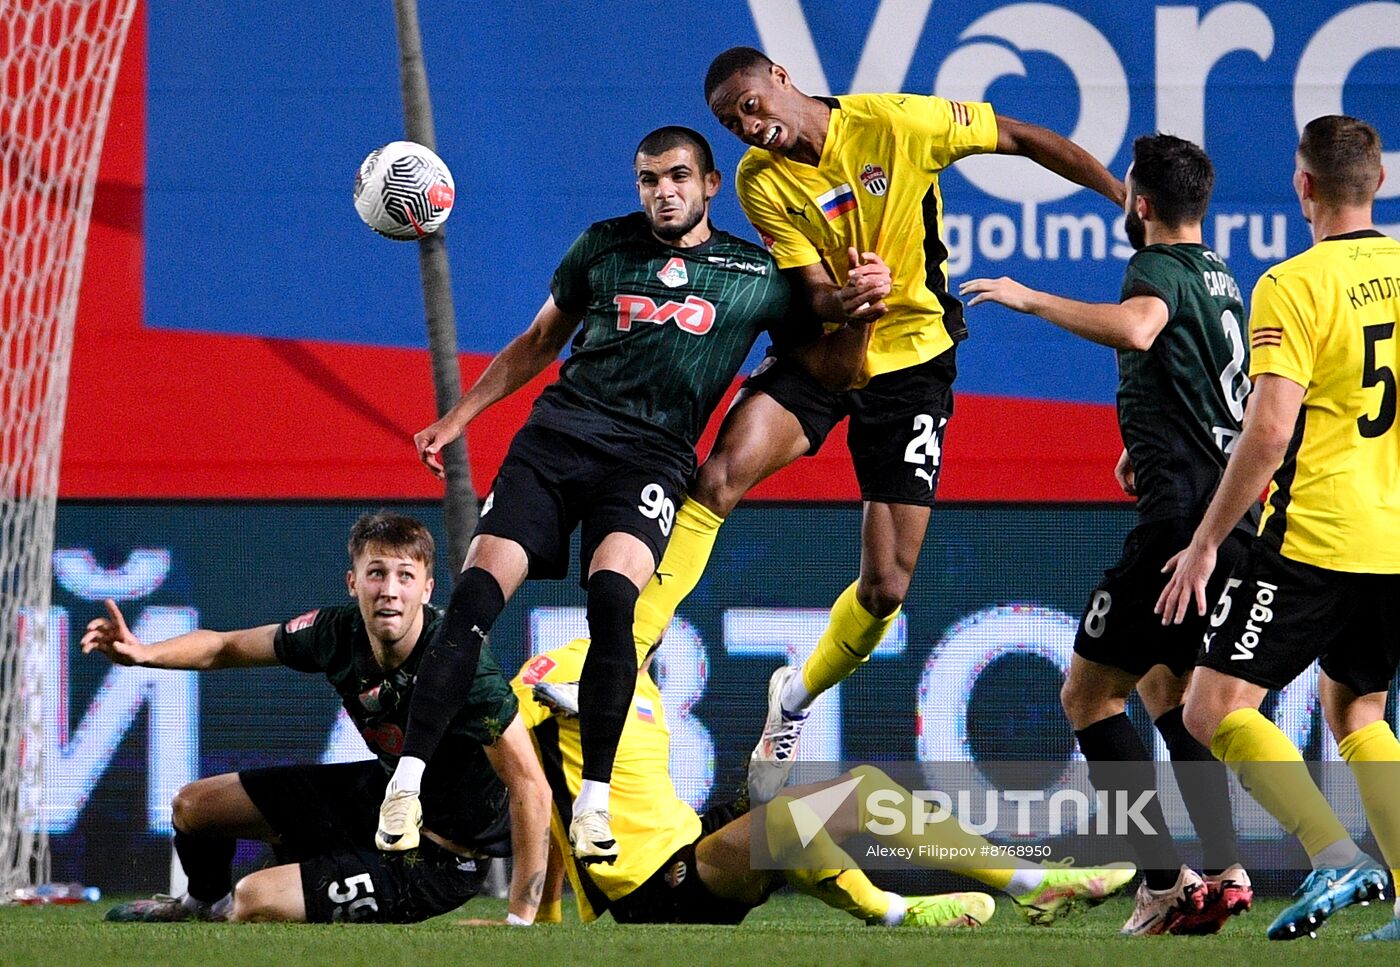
970 673
259 114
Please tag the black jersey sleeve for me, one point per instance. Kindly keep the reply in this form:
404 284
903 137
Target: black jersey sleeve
788 324
1154 274
570 286
305 642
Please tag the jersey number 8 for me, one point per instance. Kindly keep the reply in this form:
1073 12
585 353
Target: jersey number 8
1232 378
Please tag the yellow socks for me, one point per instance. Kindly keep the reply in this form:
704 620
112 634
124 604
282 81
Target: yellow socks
848 890
692 540
1374 756
818 866
940 845
1272 770
850 637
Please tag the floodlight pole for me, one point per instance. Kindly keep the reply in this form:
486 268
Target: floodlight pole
459 501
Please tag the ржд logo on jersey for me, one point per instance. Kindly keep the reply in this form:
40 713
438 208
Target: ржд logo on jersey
695 316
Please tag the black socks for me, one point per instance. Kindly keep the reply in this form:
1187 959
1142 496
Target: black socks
609 674
447 670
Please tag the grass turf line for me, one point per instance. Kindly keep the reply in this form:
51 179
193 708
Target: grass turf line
787 930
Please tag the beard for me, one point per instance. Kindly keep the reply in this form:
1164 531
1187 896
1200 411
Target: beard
677 230
1136 231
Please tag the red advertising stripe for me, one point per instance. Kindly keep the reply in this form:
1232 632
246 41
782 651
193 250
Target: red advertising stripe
167 414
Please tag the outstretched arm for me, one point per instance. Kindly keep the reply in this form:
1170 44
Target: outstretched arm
524 358
1058 154
1131 324
513 758
195 651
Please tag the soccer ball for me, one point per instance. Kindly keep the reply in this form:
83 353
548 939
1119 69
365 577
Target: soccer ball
403 191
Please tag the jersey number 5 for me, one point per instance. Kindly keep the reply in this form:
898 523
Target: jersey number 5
1374 375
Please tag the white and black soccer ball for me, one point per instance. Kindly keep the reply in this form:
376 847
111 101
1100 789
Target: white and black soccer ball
404 191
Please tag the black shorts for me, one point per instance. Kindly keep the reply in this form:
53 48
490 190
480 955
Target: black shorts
550 482
325 818
898 421
1118 627
1277 615
675 892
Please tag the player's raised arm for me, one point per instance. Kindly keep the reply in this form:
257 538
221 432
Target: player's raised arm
1131 324
1058 154
198 650
524 358
513 757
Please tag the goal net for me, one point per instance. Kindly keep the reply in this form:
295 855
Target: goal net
58 65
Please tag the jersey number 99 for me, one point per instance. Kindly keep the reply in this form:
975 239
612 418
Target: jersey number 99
657 506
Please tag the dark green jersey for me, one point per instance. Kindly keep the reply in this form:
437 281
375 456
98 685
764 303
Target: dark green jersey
463 799
1181 403
664 331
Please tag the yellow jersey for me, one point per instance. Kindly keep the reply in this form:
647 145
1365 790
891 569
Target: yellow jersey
1325 319
875 188
649 821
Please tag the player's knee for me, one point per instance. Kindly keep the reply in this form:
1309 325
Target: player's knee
188 810
1070 696
253 902
883 593
719 486
871 776
1201 719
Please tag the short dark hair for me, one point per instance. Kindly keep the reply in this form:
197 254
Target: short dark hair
674 136
1343 155
731 62
1175 175
392 532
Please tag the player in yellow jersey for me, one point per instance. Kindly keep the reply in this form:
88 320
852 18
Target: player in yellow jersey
845 193
1323 577
675 866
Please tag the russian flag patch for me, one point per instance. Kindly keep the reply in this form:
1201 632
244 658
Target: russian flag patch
645 711
837 201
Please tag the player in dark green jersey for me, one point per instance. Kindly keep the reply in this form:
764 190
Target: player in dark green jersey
1182 363
662 308
319 817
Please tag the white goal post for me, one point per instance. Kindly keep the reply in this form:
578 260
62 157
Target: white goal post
58 65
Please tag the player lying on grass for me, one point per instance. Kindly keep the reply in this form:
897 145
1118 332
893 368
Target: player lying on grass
487 797
1182 383
675 866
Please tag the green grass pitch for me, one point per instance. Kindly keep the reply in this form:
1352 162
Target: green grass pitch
788 930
